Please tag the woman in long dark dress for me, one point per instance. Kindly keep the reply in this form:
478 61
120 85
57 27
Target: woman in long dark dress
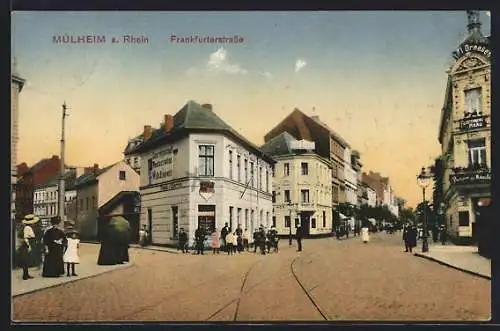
54 240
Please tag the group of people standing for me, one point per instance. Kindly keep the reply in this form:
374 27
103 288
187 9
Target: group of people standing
53 246
230 241
411 234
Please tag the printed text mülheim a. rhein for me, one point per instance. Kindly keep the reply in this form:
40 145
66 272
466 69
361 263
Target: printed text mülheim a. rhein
197 39
99 39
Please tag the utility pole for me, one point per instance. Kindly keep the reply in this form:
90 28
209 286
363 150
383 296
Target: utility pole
61 179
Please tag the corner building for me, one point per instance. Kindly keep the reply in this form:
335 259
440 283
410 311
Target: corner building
465 137
198 171
301 186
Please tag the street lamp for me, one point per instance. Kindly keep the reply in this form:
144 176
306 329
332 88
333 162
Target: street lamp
423 180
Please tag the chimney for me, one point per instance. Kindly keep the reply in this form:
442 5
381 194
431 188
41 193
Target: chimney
207 106
147 132
169 123
95 169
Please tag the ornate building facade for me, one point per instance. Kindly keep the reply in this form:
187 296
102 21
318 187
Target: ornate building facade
465 136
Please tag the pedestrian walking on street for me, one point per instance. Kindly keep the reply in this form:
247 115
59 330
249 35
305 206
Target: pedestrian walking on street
246 238
256 235
223 233
405 239
443 235
54 241
216 241
262 240
230 238
365 235
143 236
183 241
199 236
71 257
239 243
435 232
26 250
299 234
412 238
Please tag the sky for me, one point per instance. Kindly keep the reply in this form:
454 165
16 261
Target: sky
377 78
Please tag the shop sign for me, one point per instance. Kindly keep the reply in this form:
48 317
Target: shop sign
468 48
472 123
160 166
207 189
471 178
171 186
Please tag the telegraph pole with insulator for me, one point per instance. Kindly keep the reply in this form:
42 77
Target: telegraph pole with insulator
61 180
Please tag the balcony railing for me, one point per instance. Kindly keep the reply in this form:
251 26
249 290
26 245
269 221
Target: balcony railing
476 174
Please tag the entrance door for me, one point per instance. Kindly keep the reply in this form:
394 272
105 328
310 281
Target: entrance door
305 222
150 226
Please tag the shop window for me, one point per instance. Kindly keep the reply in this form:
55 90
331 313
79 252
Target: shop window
313 223
206 218
206 160
463 218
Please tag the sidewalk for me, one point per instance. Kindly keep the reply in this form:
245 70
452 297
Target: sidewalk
463 258
87 268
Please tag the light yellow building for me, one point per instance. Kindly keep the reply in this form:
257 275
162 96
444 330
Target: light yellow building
302 190
465 134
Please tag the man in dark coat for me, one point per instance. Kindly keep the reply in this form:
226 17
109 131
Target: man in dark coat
443 235
183 239
405 238
54 240
412 238
256 240
262 240
223 234
199 236
299 234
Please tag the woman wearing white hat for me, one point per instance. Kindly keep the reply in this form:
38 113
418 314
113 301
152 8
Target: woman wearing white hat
28 245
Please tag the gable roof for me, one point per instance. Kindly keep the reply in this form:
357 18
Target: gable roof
193 117
91 177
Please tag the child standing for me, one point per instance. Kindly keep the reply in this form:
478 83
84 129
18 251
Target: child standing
71 255
216 241
230 238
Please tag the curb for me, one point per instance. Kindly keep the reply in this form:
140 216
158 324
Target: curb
452 266
123 266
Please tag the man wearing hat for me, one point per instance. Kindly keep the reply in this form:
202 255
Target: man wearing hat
28 245
54 241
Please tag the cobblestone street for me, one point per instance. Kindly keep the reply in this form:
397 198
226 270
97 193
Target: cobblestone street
329 280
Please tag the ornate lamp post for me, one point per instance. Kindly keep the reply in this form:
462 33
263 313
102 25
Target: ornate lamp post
423 180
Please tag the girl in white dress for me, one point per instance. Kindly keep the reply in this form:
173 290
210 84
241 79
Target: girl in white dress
71 255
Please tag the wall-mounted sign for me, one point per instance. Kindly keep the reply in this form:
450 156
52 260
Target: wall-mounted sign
160 166
171 186
483 177
207 189
472 123
302 144
468 48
